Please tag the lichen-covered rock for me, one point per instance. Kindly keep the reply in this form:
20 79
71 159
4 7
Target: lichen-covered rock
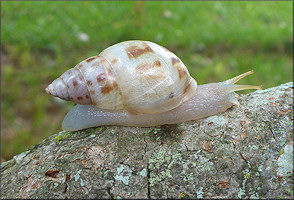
246 152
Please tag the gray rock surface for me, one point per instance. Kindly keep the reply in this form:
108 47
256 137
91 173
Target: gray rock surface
246 152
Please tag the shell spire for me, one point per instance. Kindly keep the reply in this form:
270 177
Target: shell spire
70 86
58 89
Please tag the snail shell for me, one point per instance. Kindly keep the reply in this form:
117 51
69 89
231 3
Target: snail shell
137 76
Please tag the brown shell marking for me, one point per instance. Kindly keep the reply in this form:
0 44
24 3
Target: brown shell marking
114 61
153 77
187 87
182 72
107 81
135 51
80 66
171 95
90 59
145 67
175 60
98 63
92 92
74 83
101 77
89 83
81 98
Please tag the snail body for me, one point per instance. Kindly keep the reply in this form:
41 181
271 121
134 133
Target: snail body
139 83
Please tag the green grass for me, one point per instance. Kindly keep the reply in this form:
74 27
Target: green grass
216 41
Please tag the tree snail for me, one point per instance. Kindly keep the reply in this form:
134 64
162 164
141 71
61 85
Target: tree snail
139 83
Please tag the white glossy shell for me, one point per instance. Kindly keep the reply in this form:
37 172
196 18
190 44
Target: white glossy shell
138 76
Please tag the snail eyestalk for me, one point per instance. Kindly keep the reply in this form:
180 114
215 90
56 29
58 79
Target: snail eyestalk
230 87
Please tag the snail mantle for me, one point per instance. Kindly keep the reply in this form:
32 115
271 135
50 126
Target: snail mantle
246 152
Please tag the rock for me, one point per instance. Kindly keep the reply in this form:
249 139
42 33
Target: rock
245 152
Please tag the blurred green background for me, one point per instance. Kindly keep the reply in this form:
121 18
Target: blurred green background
216 41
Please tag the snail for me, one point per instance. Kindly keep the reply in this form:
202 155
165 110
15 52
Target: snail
139 83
